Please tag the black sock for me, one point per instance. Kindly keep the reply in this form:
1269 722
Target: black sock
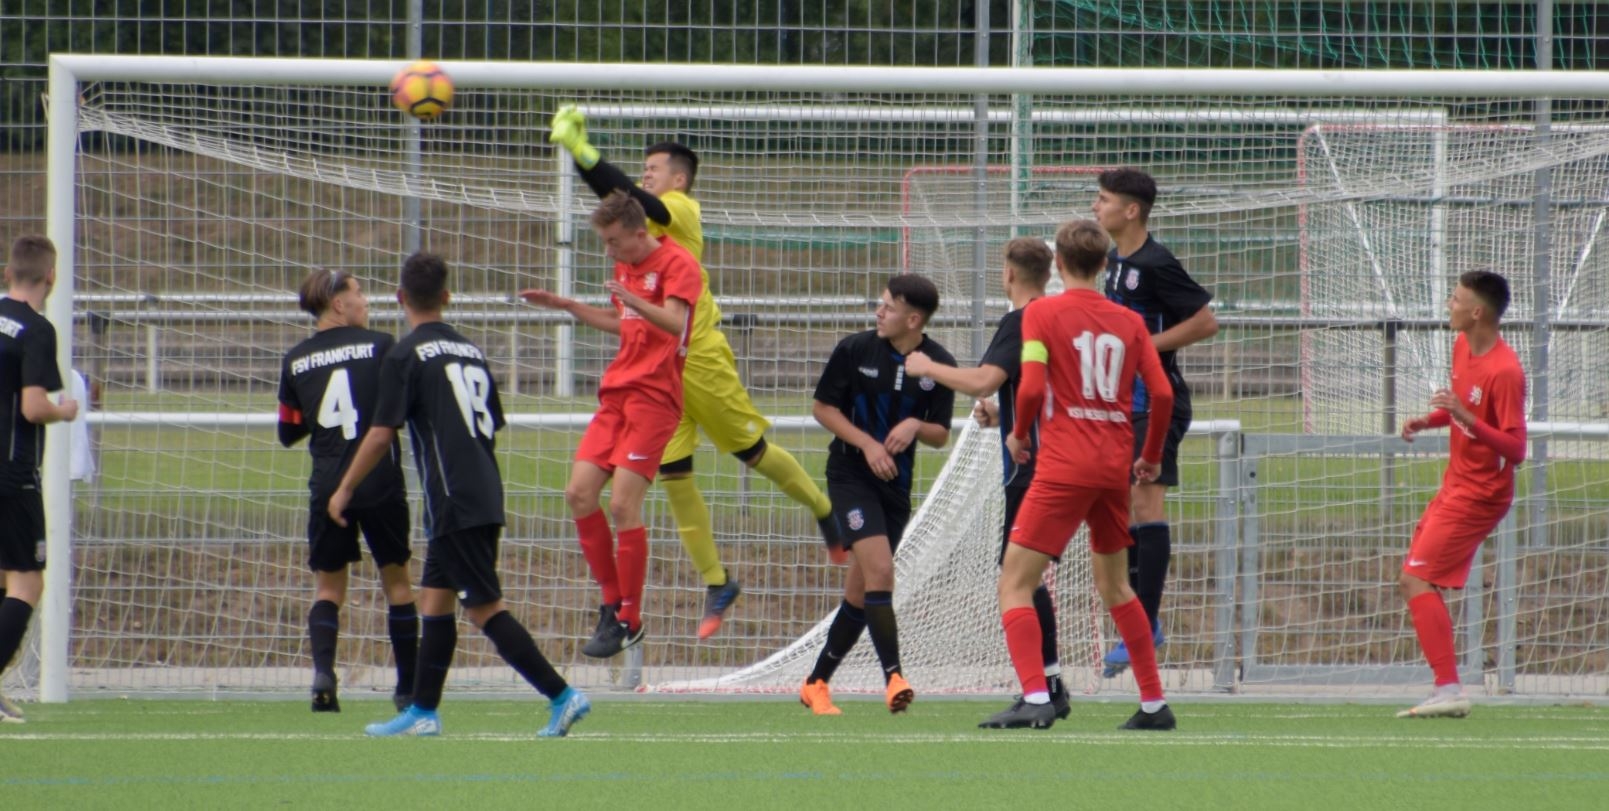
1047 625
842 635
402 622
884 630
516 646
438 639
14 616
323 628
1153 547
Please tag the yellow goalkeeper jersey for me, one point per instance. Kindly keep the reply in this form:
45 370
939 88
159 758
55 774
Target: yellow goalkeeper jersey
687 228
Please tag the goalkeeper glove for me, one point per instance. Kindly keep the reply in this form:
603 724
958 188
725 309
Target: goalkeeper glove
569 127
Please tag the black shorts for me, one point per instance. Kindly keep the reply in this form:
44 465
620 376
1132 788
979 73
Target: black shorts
1177 428
867 509
22 531
331 547
466 562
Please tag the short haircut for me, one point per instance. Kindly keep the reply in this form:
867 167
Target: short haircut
32 258
424 282
320 288
619 207
1133 184
681 158
1491 288
1031 258
918 292
1082 246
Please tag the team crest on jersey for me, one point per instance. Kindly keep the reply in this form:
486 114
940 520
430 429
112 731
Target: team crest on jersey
1132 281
1474 395
869 371
650 282
856 519
926 383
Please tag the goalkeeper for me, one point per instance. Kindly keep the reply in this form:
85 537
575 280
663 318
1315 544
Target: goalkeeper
714 398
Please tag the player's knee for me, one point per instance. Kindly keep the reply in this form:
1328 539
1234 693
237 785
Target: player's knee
677 468
1411 586
625 513
751 455
582 499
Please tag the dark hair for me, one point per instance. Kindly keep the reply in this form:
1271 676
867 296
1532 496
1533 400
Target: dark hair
1082 246
681 158
1031 257
1133 184
424 282
918 293
320 288
1491 287
619 207
32 258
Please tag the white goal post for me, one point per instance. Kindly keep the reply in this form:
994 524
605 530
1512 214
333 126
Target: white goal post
1292 243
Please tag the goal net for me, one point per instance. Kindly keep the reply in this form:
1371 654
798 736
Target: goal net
202 191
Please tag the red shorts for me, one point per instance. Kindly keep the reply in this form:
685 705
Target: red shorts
1051 513
1447 537
630 432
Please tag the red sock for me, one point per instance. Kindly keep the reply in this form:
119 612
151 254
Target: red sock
1435 628
632 562
598 547
1135 628
1022 640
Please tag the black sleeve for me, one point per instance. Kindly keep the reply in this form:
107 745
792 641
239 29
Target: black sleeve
1005 348
605 177
289 432
39 357
391 407
833 387
1178 293
941 405
494 403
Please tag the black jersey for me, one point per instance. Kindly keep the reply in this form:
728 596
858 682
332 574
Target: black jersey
27 358
865 379
328 387
1005 353
1151 282
437 383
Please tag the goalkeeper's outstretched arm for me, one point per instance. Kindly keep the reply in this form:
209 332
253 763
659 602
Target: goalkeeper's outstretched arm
569 130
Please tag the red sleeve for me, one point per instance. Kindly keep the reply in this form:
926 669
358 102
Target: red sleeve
1161 390
684 281
1440 418
1030 398
1507 437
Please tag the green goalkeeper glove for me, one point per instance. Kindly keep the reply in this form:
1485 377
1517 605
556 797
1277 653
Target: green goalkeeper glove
569 127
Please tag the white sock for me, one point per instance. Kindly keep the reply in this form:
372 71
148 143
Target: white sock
1052 670
1038 697
1452 690
1152 706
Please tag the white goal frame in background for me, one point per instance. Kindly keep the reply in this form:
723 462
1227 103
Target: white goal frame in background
69 72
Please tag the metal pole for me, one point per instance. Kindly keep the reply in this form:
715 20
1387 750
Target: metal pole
1226 537
1022 109
564 335
980 168
413 146
1541 290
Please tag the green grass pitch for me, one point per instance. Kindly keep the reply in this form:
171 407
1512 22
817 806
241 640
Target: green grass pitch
665 754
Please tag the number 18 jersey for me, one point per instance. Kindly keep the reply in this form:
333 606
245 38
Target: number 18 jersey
328 386
437 384
1092 349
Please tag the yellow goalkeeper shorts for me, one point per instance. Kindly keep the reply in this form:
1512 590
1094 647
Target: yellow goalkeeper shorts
714 399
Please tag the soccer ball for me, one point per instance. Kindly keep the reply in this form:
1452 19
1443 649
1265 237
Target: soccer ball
422 90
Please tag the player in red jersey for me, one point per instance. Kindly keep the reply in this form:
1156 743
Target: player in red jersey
1087 351
639 405
1485 404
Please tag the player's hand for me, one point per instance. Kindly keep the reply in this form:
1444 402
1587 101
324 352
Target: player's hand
337 506
569 130
69 409
881 463
1412 427
1019 452
545 298
985 413
1146 471
1444 398
902 435
624 294
918 364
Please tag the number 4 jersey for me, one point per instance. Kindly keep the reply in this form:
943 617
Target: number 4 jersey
1088 351
437 383
328 386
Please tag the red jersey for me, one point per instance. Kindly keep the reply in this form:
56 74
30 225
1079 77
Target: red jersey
650 359
1092 349
1493 387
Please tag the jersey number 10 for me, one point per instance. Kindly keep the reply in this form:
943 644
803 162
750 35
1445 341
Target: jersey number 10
1100 361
